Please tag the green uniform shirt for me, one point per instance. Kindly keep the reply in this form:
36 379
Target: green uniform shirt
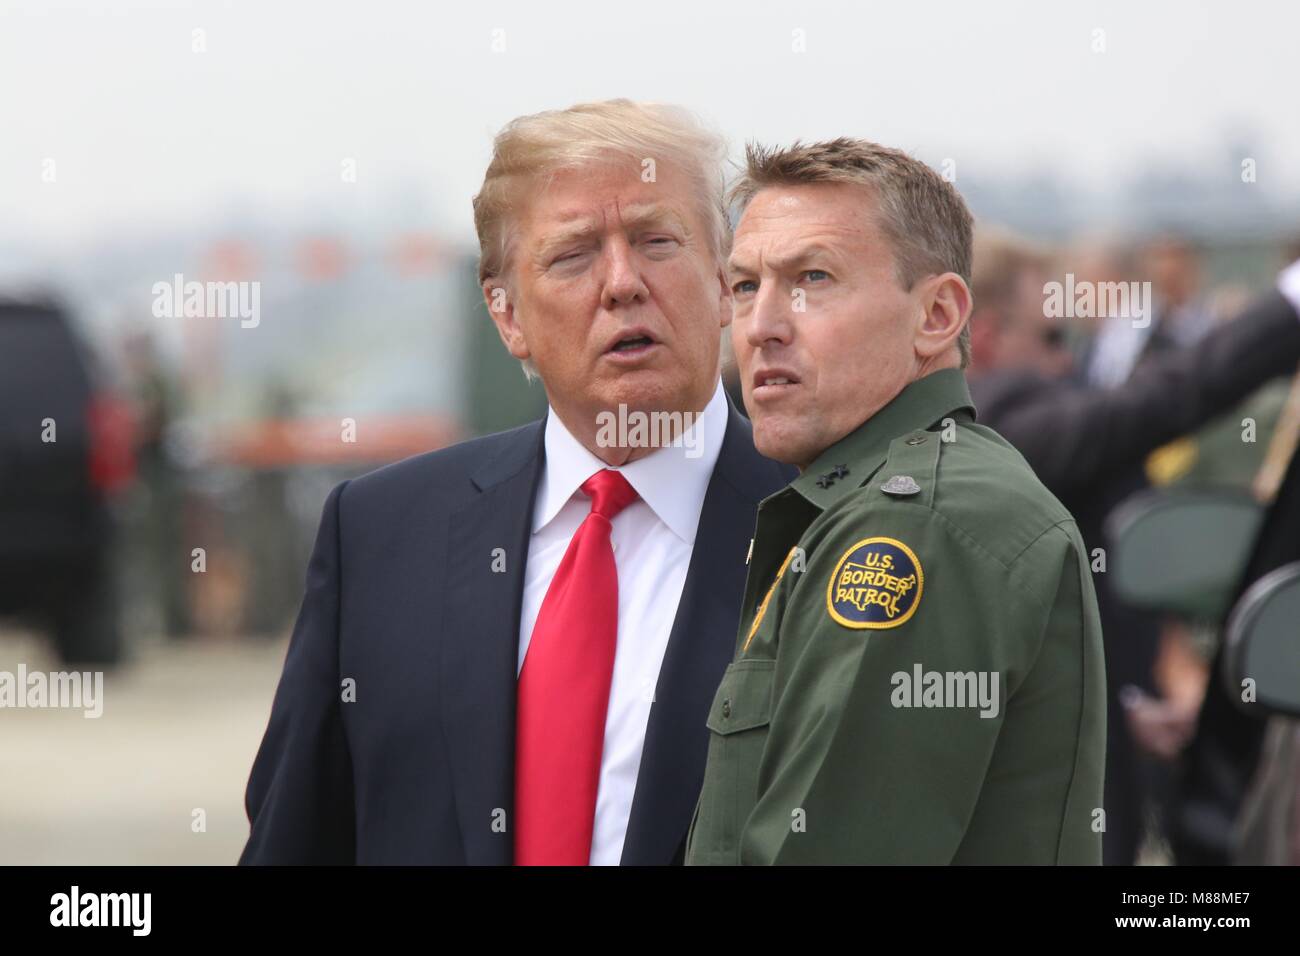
918 674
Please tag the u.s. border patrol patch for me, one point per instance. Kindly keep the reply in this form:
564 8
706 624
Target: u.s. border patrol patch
877 584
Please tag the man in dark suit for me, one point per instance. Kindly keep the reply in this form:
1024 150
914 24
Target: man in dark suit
1086 443
508 648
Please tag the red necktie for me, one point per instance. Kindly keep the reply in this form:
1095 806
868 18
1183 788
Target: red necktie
564 690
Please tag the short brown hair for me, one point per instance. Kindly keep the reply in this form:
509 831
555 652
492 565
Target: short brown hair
921 214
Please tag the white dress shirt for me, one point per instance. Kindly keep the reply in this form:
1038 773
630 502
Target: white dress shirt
1288 283
652 539
1118 347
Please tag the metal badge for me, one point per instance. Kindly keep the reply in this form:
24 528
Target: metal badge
900 486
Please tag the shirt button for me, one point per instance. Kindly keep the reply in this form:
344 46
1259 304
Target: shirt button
917 440
726 707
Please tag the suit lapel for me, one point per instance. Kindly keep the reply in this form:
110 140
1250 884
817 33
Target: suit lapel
699 648
480 641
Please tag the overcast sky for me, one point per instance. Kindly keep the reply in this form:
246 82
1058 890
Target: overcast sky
146 132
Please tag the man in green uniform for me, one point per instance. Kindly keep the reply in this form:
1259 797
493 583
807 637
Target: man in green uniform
918 674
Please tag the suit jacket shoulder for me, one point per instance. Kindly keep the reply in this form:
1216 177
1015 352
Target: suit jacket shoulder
455 470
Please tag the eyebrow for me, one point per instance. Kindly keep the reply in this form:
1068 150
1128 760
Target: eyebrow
634 217
653 213
782 263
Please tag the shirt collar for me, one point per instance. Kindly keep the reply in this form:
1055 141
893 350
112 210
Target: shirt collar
672 480
918 406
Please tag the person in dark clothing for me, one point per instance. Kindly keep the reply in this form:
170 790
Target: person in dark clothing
1086 443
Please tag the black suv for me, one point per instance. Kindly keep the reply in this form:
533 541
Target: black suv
65 448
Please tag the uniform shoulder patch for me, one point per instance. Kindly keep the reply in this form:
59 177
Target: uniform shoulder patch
877 584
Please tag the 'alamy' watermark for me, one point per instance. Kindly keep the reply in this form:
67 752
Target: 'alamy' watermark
75 908
922 688
68 690
179 299
1098 300
638 429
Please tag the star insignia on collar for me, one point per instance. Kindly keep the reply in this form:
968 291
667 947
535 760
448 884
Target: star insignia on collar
828 479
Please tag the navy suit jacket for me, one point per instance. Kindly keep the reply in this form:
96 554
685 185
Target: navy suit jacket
402 602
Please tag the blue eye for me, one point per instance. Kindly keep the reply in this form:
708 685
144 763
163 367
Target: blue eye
744 286
816 275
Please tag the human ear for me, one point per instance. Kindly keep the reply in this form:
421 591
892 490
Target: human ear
946 304
501 309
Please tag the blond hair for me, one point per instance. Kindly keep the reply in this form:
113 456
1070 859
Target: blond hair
921 214
543 143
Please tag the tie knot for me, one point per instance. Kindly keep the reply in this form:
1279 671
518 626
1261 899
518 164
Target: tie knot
609 492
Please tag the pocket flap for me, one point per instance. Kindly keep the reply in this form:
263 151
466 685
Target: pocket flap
744 698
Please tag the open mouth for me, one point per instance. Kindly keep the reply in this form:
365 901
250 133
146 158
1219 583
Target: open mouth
772 383
631 344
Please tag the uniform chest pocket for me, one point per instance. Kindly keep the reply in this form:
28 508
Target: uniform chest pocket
744 698
738 719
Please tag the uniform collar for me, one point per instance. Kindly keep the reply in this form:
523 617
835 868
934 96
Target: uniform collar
672 480
859 453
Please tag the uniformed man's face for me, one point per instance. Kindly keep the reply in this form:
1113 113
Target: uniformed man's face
616 294
824 334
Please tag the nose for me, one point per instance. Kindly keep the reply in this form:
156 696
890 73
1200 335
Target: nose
771 317
624 283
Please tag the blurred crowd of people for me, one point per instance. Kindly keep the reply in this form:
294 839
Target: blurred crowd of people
1099 404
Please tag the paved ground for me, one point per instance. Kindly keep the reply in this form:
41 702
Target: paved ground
179 730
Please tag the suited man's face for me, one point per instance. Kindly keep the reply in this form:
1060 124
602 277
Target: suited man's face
615 293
